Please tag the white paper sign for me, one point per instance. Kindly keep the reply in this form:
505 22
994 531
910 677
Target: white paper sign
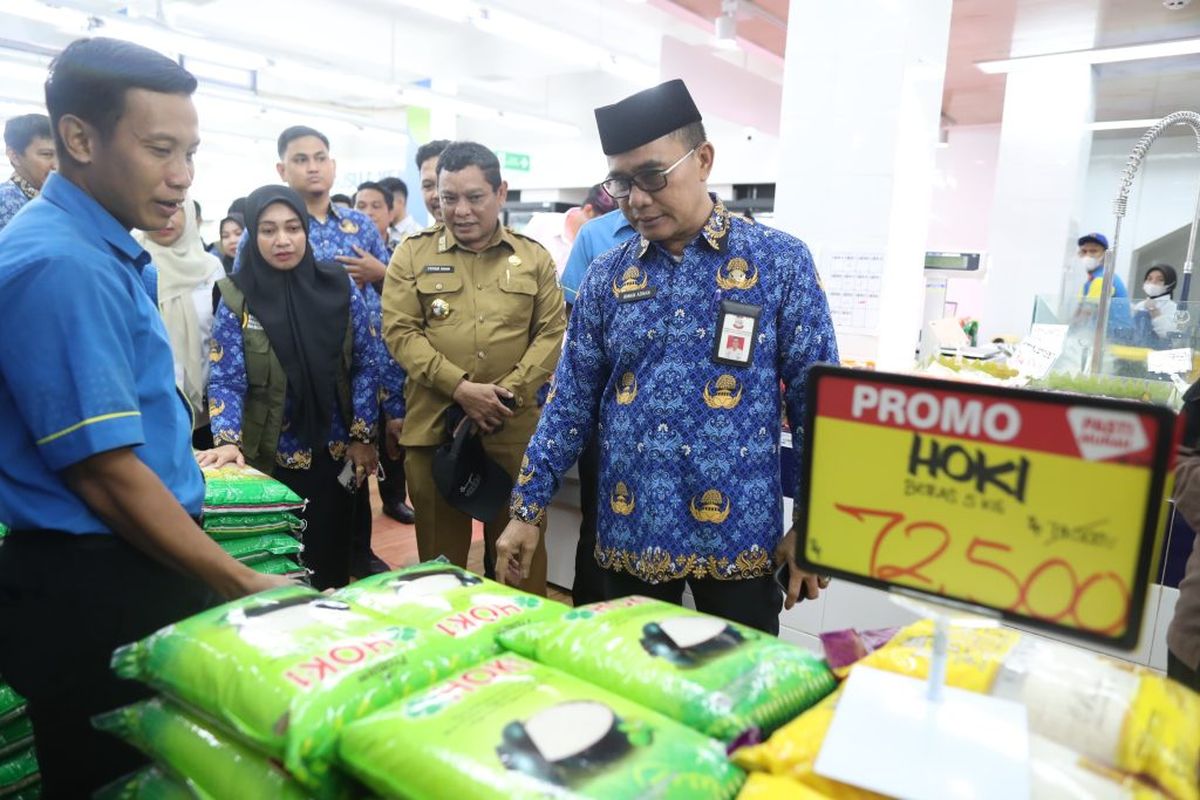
1038 351
1170 361
888 737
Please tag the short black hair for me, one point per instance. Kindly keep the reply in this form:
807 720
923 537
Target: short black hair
388 197
459 155
90 78
295 132
196 206
431 150
600 200
341 198
692 134
19 132
395 186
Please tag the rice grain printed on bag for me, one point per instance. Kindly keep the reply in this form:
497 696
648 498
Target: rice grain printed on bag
450 602
212 763
1114 713
148 783
231 488
286 669
718 677
509 727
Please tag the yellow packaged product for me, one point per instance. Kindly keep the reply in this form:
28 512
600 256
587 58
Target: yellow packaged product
761 786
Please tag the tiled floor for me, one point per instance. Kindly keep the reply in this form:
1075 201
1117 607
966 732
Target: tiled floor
397 545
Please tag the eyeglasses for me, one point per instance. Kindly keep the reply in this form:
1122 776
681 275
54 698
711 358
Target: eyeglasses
649 180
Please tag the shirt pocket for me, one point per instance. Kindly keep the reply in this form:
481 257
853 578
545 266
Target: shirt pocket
516 298
442 298
258 360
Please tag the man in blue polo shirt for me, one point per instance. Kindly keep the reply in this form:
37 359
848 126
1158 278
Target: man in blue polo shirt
97 477
597 236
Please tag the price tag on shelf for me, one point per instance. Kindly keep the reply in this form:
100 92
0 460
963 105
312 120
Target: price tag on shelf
1170 361
1038 351
1041 506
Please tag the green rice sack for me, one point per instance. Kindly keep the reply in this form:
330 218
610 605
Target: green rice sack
232 489
213 764
3 530
448 601
12 705
285 669
278 565
232 526
718 677
250 549
18 772
148 783
509 727
15 735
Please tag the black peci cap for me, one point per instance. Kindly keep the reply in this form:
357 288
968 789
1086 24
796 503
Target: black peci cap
645 116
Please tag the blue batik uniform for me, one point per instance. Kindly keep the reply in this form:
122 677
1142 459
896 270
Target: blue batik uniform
342 231
690 482
227 388
15 193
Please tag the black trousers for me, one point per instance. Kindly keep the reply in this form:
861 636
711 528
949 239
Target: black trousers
755 602
1182 673
589 577
66 602
330 518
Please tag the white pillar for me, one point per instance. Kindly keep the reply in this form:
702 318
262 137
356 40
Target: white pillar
1040 172
862 97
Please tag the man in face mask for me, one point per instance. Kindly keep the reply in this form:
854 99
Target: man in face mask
1092 248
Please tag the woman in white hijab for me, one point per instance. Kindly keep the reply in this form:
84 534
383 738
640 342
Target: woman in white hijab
186 276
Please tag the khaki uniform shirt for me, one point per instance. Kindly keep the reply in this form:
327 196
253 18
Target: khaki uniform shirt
491 317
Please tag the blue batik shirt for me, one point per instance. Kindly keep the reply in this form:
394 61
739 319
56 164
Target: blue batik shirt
227 387
14 194
342 231
689 476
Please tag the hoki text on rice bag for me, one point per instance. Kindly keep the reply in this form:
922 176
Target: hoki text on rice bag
508 727
1114 713
286 669
211 763
231 489
718 677
448 601
148 783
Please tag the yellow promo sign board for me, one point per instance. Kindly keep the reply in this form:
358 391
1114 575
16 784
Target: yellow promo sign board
1043 507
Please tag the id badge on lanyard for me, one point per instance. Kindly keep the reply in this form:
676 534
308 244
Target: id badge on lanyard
737 333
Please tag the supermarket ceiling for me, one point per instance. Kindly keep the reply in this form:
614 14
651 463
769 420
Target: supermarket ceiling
548 62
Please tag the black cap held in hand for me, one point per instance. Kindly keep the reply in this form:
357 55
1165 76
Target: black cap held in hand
468 480
648 115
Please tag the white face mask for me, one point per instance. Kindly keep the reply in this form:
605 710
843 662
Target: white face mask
1089 263
1155 290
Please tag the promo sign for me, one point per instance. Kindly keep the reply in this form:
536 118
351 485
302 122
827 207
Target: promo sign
1041 506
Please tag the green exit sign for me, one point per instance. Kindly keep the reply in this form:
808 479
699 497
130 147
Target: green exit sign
518 162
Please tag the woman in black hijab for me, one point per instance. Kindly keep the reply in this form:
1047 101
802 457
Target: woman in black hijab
295 376
231 232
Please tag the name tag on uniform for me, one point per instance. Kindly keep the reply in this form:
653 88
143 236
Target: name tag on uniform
737 330
438 269
253 324
637 294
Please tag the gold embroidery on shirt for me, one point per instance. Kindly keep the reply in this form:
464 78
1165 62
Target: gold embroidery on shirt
737 274
712 507
726 394
627 389
634 279
216 408
526 474
622 500
216 352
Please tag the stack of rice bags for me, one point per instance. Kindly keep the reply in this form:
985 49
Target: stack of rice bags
1099 727
629 699
253 517
256 693
19 778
